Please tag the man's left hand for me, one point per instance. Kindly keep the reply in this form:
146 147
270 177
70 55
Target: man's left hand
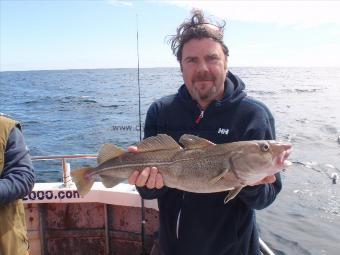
268 179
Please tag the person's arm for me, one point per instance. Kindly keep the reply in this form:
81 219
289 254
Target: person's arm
262 195
149 182
17 178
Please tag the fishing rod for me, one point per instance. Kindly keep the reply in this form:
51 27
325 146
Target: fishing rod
334 176
140 138
139 101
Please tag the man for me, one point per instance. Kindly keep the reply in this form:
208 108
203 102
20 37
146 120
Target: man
211 104
16 181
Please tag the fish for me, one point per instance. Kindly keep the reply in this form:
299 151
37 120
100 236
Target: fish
198 166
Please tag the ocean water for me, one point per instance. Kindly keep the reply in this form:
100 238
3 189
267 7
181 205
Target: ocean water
75 111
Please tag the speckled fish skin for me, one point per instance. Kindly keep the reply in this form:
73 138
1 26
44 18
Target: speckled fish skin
200 166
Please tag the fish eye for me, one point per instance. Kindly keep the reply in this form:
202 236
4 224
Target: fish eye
264 147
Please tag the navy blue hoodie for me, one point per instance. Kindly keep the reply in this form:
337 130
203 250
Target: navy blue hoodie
192 223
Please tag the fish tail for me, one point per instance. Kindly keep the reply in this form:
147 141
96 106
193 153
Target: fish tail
82 180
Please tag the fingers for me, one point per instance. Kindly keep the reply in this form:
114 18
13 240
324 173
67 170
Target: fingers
133 149
155 179
159 181
152 178
149 177
133 178
143 177
268 179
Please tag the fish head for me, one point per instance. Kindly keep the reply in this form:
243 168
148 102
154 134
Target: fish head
258 159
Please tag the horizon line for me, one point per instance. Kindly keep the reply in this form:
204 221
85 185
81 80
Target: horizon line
159 67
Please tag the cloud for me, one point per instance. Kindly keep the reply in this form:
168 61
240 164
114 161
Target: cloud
299 14
120 2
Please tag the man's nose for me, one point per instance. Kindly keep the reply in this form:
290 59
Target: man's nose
202 66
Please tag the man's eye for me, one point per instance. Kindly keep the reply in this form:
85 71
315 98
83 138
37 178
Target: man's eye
191 60
213 58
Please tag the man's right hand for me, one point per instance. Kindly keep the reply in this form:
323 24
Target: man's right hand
150 177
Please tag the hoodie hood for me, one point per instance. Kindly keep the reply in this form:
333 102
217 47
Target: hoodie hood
233 94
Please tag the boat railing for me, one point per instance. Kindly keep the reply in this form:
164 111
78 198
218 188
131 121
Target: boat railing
66 167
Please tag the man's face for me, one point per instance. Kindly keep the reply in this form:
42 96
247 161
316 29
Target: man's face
204 68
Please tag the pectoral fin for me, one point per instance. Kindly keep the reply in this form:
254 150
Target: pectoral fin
218 177
232 194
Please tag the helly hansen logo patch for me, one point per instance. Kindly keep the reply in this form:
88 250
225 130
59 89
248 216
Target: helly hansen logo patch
223 131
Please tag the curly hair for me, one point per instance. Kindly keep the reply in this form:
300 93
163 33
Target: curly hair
198 27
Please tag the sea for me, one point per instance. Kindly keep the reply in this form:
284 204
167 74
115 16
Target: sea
66 112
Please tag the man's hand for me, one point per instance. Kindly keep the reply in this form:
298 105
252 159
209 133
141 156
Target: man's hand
149 177
268 179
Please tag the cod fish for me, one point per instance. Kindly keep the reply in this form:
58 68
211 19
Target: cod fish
199 166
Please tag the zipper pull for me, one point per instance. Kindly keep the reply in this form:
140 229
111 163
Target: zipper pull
199 117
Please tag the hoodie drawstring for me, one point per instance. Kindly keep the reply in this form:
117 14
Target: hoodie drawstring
199 117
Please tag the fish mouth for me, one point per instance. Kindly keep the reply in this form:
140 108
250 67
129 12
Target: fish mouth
283 156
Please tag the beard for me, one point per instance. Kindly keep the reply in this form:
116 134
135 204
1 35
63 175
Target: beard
208 95
198 91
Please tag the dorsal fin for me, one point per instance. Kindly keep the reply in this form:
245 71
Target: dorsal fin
159 142
194 142
109 151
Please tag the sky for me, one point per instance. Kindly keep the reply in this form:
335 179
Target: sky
61 34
